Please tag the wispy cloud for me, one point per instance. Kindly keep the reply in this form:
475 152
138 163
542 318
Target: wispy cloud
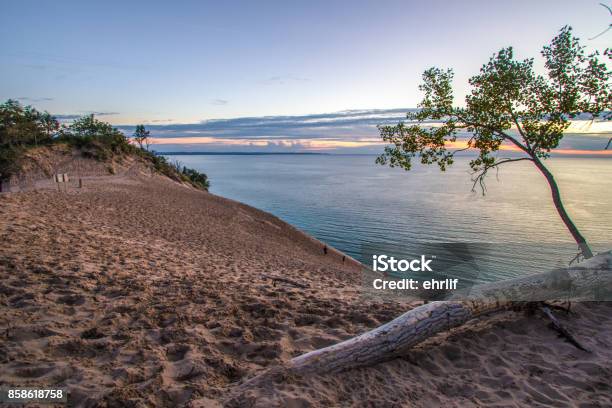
38 67
349 123
101 113
73 116
38 60
159 121
219 102
34 99
283 79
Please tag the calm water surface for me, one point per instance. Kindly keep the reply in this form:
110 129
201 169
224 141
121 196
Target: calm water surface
350 202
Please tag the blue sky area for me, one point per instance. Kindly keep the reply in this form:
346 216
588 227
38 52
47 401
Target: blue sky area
262 75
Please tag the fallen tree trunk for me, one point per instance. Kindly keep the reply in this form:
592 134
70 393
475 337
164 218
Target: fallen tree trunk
588 280
396 337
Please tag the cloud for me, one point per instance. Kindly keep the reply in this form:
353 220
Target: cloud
283 79
159 120
344 124
219 102
102 113
39 67
69 116
346 131
37 60
73 116
33 99
351 130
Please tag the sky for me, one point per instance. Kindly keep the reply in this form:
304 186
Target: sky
241 75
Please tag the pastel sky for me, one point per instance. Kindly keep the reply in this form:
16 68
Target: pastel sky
212 70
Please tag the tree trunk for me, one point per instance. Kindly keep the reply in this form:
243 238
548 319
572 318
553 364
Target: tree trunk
394 338
556 196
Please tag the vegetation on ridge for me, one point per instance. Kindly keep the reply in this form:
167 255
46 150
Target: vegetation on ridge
24 127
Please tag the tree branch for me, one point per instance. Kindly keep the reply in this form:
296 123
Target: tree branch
501 133
479 179
562 330
520 130
515 142
465 148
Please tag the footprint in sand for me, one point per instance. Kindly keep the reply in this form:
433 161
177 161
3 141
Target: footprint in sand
71 300
176 352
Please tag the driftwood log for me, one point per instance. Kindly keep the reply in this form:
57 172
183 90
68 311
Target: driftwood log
588 280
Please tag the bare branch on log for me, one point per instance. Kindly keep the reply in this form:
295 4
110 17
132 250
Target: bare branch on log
562 330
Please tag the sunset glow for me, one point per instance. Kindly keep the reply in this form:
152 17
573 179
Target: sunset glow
306 144
202 142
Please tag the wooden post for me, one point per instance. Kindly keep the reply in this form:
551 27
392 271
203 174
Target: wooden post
60 178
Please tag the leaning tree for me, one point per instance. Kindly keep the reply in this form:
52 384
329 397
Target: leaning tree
509 103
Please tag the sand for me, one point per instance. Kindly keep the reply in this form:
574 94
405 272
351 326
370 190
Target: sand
138 291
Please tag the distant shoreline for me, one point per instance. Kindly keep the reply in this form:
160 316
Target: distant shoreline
553 154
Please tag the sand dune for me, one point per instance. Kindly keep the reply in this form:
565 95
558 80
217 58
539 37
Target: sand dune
138 291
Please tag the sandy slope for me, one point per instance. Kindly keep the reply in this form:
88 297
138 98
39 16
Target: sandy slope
137 291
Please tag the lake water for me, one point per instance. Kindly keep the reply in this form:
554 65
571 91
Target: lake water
351 203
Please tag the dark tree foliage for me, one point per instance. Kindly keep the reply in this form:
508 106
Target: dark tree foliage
22 128
197 178
24 125
95 138
509 102
141 136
